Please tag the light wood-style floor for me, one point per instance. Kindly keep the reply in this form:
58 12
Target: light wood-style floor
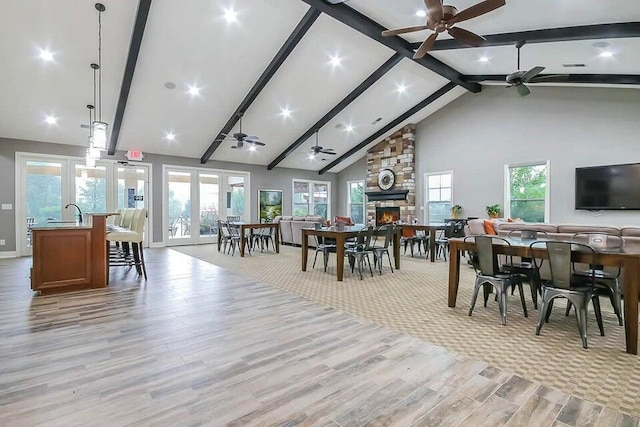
200 345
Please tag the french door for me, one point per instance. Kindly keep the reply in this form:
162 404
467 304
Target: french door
195 199
48 184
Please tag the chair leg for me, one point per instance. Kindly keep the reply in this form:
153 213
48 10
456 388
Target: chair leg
524 304
502 304
136 258
615 295
325 258
546 319
598 313
474 297
543 313
568 310
314 260
144 268
389 258
486 289
581 319
533 285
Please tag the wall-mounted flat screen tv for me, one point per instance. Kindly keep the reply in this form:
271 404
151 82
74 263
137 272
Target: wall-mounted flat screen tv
613 187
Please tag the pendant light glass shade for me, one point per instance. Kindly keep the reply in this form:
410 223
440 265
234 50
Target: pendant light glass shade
99 135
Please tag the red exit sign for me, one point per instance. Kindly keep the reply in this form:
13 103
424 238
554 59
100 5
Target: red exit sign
135 155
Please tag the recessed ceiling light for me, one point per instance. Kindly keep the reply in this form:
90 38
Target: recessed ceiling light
606 54
483 59
312 156
421 13
230 15
46 55
285 112
335 61
252 147
193 90
51 120
401 88
348 128
170 136
170 85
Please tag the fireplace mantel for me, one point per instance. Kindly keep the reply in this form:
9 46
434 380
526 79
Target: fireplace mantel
378 196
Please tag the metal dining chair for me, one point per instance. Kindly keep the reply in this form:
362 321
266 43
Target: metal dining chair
607 282
577 289
386 232
325 246
360 251
489 274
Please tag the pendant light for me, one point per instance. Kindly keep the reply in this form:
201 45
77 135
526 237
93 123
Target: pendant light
98 127
92 153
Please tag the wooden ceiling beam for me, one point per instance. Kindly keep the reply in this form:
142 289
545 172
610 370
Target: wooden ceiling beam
292 41
390 126
549 35
132 58
366 84
373 30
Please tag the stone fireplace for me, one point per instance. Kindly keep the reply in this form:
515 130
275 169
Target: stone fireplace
396 153
387 215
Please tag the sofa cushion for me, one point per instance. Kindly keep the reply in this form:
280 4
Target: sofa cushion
630 231
286 218
489 227
298 218
534 226
314 218
581 228
476 226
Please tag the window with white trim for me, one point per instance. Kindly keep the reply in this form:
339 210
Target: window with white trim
439 196
355 201
311 198
527 191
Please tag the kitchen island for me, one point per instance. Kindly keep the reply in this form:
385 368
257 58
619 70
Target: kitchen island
70 256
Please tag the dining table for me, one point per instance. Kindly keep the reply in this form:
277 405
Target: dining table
341 236
250 227
626 257
432 229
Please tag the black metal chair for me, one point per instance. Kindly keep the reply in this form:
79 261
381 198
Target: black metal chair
360 251
452 229
607 282
386 232
262 237
578 289
325 246
225 236
410 238
236 238
488 273
525 266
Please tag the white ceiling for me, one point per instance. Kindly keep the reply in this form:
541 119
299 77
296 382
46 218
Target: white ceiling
190 43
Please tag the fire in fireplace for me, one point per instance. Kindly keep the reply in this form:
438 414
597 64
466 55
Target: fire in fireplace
387 215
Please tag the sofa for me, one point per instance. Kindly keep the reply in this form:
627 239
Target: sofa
291 226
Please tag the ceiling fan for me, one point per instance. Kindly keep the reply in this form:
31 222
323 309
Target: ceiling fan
241 138
317 149
443 18
518 78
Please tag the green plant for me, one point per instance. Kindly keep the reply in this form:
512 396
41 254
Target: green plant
456 209
493 210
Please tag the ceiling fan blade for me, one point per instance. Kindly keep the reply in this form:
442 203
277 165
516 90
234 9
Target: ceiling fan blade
425 46
523 90
477 10
328 152
466 37
550 78
262 144
434 9
532 73
397 31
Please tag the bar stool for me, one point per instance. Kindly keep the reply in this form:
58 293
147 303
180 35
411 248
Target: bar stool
134 236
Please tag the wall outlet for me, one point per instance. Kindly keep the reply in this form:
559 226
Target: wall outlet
2 242
7 206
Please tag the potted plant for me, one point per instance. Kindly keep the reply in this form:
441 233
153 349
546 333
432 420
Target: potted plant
493 211
455 211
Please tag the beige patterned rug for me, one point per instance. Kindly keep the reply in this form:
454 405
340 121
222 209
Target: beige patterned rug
414 300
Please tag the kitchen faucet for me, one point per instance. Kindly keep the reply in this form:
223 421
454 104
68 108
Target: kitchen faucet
79 211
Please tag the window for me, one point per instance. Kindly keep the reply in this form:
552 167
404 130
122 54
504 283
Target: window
439 196
527 192
355 201
311 198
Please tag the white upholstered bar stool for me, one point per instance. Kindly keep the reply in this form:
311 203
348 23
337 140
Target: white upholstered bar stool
133 236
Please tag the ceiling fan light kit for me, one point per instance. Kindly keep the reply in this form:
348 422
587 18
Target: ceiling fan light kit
441 18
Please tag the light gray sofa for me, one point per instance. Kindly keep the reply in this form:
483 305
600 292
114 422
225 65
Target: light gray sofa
291 226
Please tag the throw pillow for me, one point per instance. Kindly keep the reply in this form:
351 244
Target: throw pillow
489 228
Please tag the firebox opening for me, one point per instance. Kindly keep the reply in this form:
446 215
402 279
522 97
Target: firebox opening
387 215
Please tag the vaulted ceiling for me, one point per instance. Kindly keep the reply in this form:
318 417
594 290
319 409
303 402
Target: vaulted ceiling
315 65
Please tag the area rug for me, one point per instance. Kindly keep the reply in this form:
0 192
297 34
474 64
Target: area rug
413 300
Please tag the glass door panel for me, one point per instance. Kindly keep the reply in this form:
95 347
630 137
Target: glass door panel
90 188
43 196
236 197
209 186
179 205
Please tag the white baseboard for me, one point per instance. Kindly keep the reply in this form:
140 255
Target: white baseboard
9 254
157 245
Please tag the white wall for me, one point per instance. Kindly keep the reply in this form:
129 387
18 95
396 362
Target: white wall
477 134
356 171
